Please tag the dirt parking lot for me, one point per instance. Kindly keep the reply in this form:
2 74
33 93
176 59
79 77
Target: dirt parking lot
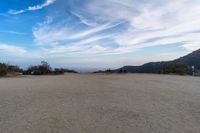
100 103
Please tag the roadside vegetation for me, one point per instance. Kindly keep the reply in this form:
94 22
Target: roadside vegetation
157 68
180 69
45 69
6 68
42 69
3 69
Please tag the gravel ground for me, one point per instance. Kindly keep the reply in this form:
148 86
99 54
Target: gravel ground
98 103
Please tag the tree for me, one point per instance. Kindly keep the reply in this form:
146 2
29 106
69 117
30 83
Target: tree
180 69
3 69
42 69
12 68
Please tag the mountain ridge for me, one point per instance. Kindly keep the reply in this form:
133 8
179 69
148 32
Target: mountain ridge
182 65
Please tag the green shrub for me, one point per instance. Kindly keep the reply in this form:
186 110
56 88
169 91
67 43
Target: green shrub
3 69
42 69
59 71
12 68
180 69
197 73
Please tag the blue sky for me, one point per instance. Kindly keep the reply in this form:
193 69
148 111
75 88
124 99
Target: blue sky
97 33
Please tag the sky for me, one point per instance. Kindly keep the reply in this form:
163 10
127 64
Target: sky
89 34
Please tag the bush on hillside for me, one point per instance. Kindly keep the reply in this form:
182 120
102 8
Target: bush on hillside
197 73
3 69
59 71
70 71
180 69
12 68
43 69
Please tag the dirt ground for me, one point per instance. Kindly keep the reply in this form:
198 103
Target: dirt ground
100 103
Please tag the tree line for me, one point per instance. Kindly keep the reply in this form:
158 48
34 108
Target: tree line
5 68
42 69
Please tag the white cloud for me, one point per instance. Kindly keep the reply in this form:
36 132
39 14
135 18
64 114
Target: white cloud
32 8
15 12
84 20
193 46
171 21
13 50
37 7
147 24
56 39
92 31
47 33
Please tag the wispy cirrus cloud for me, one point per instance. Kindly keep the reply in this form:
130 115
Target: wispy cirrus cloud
149 24
46 33
12 32
159 19
84 20
32 8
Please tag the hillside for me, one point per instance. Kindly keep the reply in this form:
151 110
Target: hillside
190 59
179 66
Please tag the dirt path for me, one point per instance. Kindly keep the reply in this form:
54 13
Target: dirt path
76 103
